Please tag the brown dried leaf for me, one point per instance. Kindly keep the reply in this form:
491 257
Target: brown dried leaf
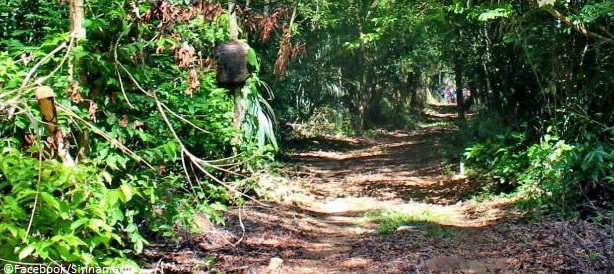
75 95
249 22
29 140
200 60
211 11
124 121
135 10
168 14
193 81
184 56
114 97
92 111
137 125
284 52
267 26
209 64
147 16
160 50
27 58
298 50
50 143
162 170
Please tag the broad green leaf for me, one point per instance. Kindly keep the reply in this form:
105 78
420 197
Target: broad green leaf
65 254
112 197
115 216
494 14
86 258
73 240
127 191
78 223
26 252
252 59
42 248
50 200
16 232
96 224
107 176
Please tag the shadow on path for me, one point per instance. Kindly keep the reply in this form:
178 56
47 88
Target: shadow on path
395 165
316 218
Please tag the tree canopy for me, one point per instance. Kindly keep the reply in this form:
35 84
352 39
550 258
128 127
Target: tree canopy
115 130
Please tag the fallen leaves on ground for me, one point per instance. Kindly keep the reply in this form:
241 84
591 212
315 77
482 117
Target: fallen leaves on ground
314 220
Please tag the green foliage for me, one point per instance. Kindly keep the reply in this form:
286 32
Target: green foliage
145 125
499 159
595 11
64 213
540 71
260 120
543 181
486 13
550 172
366 61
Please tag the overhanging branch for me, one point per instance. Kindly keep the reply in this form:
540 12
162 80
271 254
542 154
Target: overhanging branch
579 27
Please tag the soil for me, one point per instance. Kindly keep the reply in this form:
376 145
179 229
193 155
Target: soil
316 215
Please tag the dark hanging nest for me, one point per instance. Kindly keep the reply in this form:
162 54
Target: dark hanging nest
232 64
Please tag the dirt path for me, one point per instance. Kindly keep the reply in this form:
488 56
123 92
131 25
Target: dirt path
322 216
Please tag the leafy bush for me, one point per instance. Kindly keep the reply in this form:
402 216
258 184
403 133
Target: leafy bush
147 127
551 172
545 180
64 213
498 159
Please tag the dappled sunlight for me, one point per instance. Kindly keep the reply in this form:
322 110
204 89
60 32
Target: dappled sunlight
341 205
356 263
401 171
383 204
331 155
335 199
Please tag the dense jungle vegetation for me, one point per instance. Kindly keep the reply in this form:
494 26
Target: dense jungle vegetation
115 133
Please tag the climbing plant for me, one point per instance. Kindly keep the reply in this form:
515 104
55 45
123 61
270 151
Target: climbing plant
137 110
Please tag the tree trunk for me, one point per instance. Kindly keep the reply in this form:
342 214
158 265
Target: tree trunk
413 84
458 73
374 110
233 30
76 19
459 90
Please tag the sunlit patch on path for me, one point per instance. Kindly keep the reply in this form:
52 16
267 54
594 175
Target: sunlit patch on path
384 204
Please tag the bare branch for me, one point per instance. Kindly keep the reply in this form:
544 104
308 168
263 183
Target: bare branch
106 136
47 57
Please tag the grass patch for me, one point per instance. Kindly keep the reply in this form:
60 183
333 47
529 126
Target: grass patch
423 219
439 124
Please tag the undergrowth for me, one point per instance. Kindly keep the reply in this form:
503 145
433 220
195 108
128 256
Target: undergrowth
570 175
133 136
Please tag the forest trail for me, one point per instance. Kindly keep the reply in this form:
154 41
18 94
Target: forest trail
322 215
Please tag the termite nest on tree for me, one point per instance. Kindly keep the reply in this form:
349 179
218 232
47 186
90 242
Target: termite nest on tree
232 69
